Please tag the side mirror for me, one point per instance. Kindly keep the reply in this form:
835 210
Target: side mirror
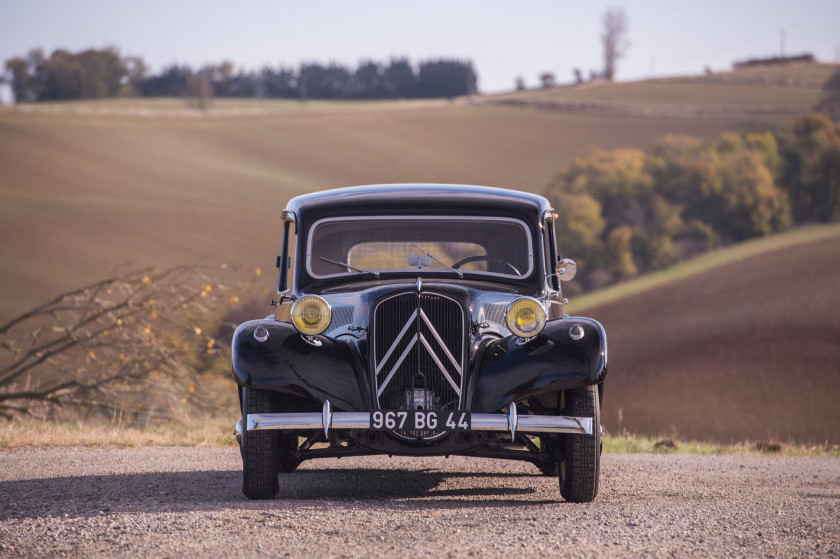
566 269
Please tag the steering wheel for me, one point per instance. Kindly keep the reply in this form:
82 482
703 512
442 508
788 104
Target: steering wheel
469 259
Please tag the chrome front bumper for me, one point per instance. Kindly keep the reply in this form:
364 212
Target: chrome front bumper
327 420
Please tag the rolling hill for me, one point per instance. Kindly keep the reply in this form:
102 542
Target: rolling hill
86 186
760 92
741 344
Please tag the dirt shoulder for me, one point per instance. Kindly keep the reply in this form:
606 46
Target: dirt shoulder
167 502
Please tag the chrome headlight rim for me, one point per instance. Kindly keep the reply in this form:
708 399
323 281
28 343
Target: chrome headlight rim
322 325
539 324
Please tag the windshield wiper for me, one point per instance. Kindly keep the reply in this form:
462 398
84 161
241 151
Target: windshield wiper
429 254
346 265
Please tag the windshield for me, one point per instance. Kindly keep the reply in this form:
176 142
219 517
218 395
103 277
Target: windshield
454 246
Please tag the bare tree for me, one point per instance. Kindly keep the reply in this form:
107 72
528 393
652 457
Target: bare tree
200 89
135 340
614 39
548 80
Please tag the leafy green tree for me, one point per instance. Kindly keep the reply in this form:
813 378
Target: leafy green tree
579 226
21 80
171 82
679 168
136 71
281 83
652 252
369 81
619 248
619 180
810 148
399 79
63 77
102 73
764 144
748 203
829 103
446 78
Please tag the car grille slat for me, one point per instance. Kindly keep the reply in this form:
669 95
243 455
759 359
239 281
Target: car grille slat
418 354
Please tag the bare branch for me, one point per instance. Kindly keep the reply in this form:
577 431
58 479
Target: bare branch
134 340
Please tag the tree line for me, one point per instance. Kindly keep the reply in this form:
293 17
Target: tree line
628 211
96 74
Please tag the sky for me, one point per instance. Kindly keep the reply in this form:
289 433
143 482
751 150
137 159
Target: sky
504 39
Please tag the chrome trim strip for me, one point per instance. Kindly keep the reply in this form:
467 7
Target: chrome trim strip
396 366
440 365
480 422
519 222
399 338
440 342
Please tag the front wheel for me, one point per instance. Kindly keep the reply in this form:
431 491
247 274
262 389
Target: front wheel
581 465
259 448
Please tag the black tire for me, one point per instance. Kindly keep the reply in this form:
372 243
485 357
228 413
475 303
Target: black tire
259 448
581 465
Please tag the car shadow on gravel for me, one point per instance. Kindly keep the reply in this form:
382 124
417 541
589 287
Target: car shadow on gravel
85 496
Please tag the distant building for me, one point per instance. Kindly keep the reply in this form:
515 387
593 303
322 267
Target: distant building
807 58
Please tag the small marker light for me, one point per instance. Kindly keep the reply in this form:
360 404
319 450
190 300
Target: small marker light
576 332
261 333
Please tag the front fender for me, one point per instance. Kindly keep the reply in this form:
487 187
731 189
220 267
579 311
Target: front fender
551 362
285 362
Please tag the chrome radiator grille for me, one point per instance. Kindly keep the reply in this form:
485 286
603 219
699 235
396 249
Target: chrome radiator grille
418 353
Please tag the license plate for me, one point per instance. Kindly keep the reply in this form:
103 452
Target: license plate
420 420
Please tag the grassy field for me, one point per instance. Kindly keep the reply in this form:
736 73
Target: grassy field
199 431
183 107
82 192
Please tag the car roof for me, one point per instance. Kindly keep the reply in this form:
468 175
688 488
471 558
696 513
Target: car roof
417 199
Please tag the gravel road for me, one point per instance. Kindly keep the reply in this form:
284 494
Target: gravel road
174 502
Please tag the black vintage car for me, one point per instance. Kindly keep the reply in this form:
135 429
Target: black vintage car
421 320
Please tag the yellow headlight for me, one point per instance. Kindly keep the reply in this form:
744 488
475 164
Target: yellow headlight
311 315
525 317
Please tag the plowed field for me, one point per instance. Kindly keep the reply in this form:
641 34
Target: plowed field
749 350
82 191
